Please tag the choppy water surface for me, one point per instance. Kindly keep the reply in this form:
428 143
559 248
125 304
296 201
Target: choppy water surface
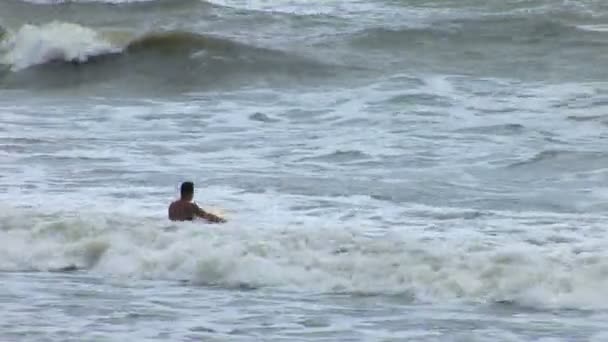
391 170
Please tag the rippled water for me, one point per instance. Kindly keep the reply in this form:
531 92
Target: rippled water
422 170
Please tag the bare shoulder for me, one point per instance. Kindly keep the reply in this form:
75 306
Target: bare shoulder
174 205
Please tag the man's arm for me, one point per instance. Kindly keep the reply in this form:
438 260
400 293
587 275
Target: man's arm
207 216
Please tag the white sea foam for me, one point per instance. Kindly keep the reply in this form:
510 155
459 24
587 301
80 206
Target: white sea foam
594 28
55 41
473 269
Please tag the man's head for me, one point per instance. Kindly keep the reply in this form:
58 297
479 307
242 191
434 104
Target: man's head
187 191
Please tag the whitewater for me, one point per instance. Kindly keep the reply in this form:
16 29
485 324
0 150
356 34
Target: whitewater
390 170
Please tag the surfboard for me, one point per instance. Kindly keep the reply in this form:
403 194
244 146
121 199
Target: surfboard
217 212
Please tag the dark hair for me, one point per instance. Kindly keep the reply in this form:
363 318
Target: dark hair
187 188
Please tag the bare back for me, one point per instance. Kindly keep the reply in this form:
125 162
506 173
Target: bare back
181 210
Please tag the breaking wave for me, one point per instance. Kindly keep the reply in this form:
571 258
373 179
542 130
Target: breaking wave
557 272
45 54
63 42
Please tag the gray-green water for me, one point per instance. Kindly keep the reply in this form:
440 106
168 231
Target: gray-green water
391 170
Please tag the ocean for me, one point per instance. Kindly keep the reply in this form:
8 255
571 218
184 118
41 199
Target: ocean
391 170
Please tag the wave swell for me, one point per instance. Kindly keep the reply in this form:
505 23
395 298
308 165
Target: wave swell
496 30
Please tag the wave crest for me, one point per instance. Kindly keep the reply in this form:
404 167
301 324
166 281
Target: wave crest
53 42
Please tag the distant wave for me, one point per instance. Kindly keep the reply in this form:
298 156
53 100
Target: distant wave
52 2
594 28
58 54
179 56
566 160
58 41
492 29
85 5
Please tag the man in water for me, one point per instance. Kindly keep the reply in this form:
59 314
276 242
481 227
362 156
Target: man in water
185 210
